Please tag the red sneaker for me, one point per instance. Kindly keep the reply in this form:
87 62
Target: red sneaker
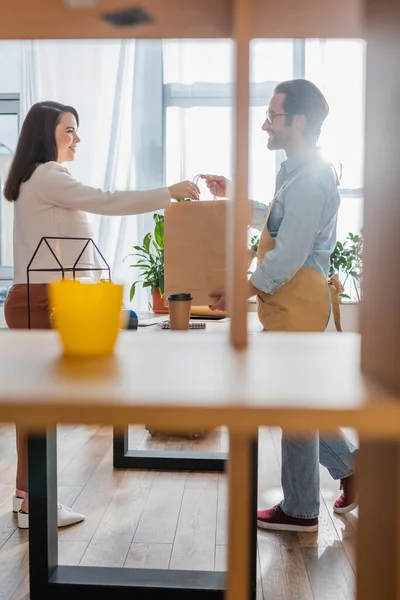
275 519
348 500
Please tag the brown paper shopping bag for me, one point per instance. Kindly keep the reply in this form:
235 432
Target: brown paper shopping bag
195 249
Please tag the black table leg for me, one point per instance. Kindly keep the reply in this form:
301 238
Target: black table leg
49 580
164 460
43 531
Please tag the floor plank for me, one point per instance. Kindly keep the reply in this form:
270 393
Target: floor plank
111 542
345 525
149 556
8 457
194 544
221 564
259 589
327 535
201 481
283 570
68 494
136 434
13 564
70 442
350 547
85 461
222 511
8 521
160 516
69 553
221 557
330 573
93 501
269 471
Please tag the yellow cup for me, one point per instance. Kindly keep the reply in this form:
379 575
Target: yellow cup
86 316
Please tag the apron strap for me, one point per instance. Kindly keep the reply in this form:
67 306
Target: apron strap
279 192
335 288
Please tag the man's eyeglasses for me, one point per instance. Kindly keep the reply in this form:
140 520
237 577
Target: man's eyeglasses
271 115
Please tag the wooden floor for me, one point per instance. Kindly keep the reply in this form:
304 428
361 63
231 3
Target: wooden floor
176 521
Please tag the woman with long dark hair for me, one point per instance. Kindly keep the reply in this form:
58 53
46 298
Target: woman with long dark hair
50 202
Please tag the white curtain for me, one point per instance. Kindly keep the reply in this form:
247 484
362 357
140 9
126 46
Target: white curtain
6 214
101 80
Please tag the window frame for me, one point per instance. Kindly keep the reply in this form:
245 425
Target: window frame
10 105
207 94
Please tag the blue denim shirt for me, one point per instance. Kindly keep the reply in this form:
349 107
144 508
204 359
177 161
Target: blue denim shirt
302 221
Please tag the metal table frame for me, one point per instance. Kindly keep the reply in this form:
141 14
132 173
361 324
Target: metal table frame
48 579
163 460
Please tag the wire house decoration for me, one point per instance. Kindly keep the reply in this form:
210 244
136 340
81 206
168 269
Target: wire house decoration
60 268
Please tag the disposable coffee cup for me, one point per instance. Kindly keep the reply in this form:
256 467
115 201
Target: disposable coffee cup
179 311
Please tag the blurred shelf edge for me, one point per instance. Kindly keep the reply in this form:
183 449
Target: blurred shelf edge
178 19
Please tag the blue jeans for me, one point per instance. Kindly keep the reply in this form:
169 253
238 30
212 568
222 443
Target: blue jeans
300 470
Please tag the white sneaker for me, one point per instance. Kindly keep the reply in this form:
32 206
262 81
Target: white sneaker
16 502
66 516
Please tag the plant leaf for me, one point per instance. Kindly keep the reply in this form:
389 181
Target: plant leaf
161 284
150 258
158 218
143 268
146 242
159 233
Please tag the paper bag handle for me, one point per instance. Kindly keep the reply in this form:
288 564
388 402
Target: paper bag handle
196 179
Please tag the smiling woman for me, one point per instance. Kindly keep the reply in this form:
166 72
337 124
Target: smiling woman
45 136
49 202
67 137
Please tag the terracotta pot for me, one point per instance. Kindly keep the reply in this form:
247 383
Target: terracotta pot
158 303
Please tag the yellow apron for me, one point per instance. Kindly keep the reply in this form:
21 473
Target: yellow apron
301 304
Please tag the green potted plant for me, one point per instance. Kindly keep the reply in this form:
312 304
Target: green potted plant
346 264
252 250
346 261
255 240
150 263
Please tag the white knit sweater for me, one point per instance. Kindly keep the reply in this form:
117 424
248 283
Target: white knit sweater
53 203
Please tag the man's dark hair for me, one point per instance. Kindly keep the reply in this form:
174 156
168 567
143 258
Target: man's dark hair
304 98
36 144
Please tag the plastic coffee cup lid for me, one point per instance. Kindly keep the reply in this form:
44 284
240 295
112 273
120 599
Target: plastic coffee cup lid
173 297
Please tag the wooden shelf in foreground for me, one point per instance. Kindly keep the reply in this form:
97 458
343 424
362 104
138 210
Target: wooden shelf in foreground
297 381
51 19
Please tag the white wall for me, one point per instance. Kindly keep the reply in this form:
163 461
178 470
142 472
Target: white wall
349 318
